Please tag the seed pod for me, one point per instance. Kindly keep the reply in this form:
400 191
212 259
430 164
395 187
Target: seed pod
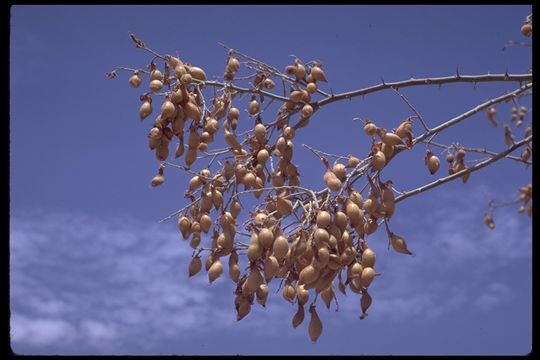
365 303
155 85
368 258
399 244
378 161
215 271
389 138
354 213
298 316
206 223
324 256
195 240
288 293
262 294
331 180
296 96
299 70
389 202
197 73
288 133
266 237
254 280
185 226
525 155
233 64
308 275
271 267
432 162
234 272
352 162
135 81
195 266
280 247
370 129
315 325
317 73
404 130
145 109
243 310
284 206
262 156
156 75
157 180
339 171
356 198
321 236
367 276
526 29
488 220
268 83
307 111
370 225
323 219
327 296
340 219
254 107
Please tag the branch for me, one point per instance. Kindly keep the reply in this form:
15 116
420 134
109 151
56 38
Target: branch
427 81
463 172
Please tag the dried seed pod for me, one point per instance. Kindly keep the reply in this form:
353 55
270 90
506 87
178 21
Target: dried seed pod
271 267
298 316
289 293
254 107
317 73
339 171
260 133
327 296
526 29
389 138
352 162
195 266
356 198
197 73
525 155
340 219
490 115
280 247
321 236
262 294
284 206
299 70
399 244
195 240
135 80
233 64
307 111
308 275
215 270
365 303
368 258
387 150
185 226
243 310
234 272
288 133
354 213
432 162
254 280
488 220
145 109
155 85
266 237
315 325
323 219
331 180
268 83
404 130
370 225
206 223
367 276
378 160
157 180
370 129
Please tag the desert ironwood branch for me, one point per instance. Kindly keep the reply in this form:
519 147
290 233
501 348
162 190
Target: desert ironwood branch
458 174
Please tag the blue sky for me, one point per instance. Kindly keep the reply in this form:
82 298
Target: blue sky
93 272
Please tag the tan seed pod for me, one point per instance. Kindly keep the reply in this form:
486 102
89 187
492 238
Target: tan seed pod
298 316
179 70
234 272
367 276
307 111
157 180
378 161
370 129
195 240
206 223
271 267
145 110
432 162
135 81
155 85
387 150
365 303
197 73
299 71
156 75
215 270
389 138
284 206
323 219
280 247
233 64
296 96
354 213
266 237
340 171
368 258
254 107
262 294
254 280
268 83
399 244
254 251
331 180
308 275
352 162
315 325
289 293
288 133
525 155
260 133
327 295
184 224
318 74
321 236
311 87
243 310
370 226
302 294
195 266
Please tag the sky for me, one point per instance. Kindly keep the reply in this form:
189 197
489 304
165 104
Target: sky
93 272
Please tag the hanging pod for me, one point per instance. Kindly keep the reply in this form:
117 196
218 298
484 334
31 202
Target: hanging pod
315 325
